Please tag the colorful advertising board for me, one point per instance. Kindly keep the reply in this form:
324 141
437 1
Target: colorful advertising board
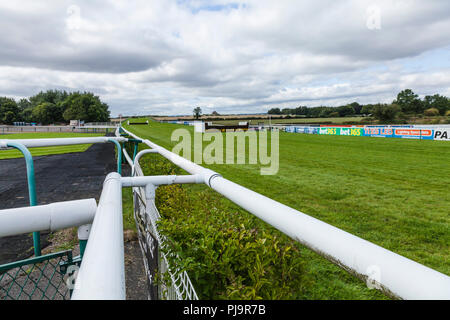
381 132
341 131
405 132
414 133
442 134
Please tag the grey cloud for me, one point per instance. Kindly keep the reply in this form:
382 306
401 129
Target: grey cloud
160 57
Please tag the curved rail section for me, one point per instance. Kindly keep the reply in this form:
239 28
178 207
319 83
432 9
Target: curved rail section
387 271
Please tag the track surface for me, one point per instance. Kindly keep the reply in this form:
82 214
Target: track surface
64 177
61 177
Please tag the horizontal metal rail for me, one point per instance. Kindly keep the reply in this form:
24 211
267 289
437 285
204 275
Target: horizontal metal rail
49 217
102 271
150 241
101 275
160 180
396 276
33 143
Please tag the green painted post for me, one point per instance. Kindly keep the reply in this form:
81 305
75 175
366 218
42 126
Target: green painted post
119 155
136 145
31 188
83 244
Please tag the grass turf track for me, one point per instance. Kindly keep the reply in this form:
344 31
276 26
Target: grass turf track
392 192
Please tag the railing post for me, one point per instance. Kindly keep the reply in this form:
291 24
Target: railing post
136 146
31 188
119 155
83 236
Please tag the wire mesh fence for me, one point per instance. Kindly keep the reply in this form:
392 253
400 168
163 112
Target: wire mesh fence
38 278
165 283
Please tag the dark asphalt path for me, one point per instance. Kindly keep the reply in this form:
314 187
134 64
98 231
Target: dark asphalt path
61 177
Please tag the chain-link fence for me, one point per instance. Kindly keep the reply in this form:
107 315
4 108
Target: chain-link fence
164 282
38 278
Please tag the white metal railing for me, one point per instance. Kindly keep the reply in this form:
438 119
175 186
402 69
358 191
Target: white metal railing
150 240
101 275
48 217
102 271
32 143
395 275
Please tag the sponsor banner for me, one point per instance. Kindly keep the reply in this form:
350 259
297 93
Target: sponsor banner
342 131
396 132
442 134
404 132
389 126
413 133
351 131
381 132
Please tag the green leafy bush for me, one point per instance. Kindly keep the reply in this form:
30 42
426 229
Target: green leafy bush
227 253
431 112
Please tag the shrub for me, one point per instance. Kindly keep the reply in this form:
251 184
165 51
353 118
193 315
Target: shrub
447 114
228 253
386 113
334 115
366 120
435 121
431 112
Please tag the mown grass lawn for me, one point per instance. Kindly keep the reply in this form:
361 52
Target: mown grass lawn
392 192
9 154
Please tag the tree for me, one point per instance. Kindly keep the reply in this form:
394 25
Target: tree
274 111
287 111
53 96
345 110
9 111
367 109
84 106
215 113
27 115
438 102
301 110
409 102
46 113
431 112
356 107
197 112
386 112
24 104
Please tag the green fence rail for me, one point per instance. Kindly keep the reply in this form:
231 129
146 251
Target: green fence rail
37 278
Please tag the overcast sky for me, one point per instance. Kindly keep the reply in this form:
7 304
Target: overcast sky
166 57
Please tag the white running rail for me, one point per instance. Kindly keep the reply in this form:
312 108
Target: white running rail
394 275
150 240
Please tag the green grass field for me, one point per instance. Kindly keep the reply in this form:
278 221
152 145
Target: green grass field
392 192
9 154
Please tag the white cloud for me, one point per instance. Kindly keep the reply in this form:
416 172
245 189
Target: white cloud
148 57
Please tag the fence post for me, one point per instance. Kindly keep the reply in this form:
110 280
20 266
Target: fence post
83 235
119 155
31 188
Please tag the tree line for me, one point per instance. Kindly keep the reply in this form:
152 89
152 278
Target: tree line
54 106
406 104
